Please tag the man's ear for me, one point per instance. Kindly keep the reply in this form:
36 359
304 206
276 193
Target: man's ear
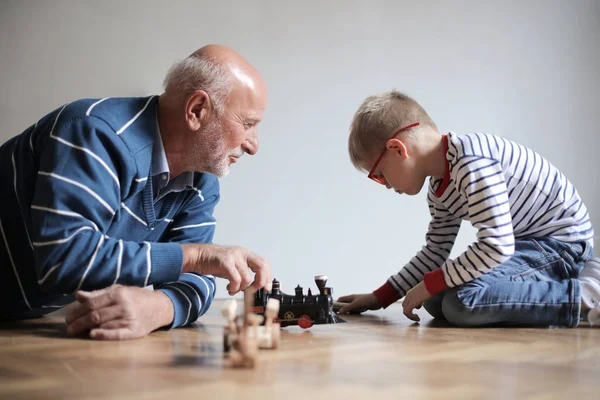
197 109
398 147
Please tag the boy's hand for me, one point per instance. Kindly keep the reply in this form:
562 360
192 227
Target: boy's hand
359 301
415 299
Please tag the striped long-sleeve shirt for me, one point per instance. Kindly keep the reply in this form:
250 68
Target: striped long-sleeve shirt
507 192
78 211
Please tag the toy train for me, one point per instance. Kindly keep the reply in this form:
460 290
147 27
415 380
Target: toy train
299 309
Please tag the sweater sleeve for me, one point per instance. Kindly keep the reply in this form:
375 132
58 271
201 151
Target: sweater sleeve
482 182
84 171
192 294
439 241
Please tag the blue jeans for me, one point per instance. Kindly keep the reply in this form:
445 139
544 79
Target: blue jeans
537 286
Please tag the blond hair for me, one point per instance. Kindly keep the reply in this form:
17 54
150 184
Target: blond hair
376 120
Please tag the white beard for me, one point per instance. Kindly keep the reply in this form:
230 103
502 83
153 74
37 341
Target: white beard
224 167
212 151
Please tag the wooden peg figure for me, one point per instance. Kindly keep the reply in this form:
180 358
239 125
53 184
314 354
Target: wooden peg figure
245 347
270 334
231 328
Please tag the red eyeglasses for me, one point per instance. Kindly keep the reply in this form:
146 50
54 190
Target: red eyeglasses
379 179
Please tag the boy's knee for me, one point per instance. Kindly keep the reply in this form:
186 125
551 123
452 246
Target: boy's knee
434 306
458 313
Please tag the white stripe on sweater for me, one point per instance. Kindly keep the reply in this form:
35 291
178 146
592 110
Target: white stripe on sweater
31 138
141 221
66 213
188 300
89 110
193 226
199 193
212 284
148 264
14 267
59 241
80 185
101 161
56 119
193 290
132 120
51 270
91 262
119 261
201 280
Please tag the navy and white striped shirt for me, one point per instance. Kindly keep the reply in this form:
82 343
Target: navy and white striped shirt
78 211
507 192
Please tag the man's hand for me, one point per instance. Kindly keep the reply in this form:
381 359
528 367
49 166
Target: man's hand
359 302
231 263
415 299
119 313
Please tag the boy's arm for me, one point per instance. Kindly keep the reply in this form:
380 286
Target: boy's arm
439 241
192 294
85 170
481 181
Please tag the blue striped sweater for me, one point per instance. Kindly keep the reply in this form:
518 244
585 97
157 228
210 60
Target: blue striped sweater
78 212
507 192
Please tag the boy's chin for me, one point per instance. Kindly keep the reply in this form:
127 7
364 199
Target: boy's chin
414 191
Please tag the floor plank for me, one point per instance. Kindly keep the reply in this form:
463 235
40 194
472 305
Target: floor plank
376 354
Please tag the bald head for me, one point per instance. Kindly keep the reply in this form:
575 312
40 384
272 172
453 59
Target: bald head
215 69
242 74
227 58
220 98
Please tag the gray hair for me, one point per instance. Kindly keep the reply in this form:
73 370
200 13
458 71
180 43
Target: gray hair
376 120
200 72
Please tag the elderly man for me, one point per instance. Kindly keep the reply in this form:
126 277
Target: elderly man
104 196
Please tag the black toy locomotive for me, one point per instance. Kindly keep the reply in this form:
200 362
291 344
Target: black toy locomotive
299 309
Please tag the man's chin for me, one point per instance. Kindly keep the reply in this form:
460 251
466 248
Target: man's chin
221 172
224 173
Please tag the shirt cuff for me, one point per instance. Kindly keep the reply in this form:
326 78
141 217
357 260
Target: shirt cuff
434 282
167 262
180 307
386 295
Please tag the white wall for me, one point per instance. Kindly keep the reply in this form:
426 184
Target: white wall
526 70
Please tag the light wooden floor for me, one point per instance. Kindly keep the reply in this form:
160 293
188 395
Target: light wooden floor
375 355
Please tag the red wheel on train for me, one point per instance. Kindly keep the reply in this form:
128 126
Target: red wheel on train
305 321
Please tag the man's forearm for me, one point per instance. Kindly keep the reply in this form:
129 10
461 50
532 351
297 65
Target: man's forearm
164 312
191 255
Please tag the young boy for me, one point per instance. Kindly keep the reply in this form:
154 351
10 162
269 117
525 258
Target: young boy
534 234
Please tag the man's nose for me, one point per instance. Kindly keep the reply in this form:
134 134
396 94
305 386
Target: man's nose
250 146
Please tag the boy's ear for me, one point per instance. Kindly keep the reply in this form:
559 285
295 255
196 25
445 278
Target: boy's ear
398 147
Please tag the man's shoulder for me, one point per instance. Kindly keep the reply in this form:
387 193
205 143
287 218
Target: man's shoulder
133 119
116 112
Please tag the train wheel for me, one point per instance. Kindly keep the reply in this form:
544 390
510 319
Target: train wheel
305 321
